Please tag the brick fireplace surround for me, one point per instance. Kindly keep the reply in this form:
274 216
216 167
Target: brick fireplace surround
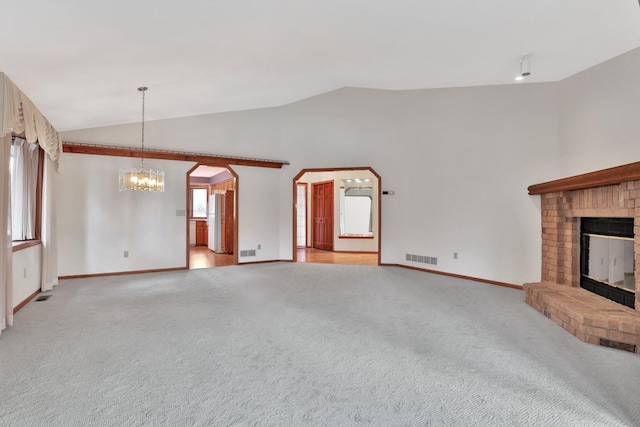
591 318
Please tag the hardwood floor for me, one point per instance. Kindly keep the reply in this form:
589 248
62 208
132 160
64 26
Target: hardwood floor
203 257
328 257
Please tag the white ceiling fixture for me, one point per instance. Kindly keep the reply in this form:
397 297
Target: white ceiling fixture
215 56
525 68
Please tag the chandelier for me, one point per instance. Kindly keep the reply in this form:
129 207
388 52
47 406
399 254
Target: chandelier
141 179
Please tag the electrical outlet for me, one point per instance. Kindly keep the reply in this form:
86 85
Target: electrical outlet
259 246
126 254
455 255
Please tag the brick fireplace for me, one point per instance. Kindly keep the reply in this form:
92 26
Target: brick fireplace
610 193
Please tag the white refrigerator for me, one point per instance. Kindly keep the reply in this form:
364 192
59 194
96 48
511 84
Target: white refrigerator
214 222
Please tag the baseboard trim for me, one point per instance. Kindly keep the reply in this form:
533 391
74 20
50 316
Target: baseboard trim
457 276
26 301
122 273
355 252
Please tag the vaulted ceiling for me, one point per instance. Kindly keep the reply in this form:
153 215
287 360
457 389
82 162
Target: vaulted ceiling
82 61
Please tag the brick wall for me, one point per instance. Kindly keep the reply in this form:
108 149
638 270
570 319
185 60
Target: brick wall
561 232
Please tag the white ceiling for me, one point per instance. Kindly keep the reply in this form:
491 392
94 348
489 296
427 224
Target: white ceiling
206 171
81 61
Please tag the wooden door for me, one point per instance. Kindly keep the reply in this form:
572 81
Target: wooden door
322 196
200 233
228 222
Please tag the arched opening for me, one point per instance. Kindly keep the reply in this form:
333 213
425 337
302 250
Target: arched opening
337 215
211 216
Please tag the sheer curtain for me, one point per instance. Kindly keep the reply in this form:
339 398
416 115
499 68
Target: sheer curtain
25 180
6 252
49 234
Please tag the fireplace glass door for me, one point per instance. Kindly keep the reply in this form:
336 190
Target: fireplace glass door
607 261
611 260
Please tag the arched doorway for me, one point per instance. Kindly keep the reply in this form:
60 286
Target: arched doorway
337 215
212 225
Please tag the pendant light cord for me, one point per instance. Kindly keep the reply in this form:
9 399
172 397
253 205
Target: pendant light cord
143 90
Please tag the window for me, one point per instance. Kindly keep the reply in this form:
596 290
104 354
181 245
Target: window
301 212
356 208
199 202
26 175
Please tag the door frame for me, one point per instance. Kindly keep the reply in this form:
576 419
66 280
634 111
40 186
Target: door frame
236 184
294 240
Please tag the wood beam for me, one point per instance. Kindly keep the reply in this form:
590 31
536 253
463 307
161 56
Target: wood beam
610 176
205 159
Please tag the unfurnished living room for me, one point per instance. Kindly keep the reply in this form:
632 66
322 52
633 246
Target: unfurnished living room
336 213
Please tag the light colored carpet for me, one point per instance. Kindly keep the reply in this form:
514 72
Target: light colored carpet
303 345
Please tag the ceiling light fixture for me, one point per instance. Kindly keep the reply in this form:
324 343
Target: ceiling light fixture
525 68
142 179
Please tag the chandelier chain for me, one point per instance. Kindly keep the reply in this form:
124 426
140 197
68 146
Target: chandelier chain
142 89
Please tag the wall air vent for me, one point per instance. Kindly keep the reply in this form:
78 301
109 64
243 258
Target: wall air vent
422 259
250 252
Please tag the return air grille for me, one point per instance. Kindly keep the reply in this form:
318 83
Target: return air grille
250 252
618 345
422 259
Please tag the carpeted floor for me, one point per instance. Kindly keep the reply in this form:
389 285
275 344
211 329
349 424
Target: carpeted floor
303 345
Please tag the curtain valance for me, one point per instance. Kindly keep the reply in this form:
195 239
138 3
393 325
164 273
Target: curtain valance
20 115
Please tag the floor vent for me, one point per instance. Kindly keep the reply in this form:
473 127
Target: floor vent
43 297
618 345
422 259
250 252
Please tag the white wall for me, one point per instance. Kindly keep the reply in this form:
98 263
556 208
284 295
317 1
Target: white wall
258 212
599 116
459 161
26 273
254 133
97 222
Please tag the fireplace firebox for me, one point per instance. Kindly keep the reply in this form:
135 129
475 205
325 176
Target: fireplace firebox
607 258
